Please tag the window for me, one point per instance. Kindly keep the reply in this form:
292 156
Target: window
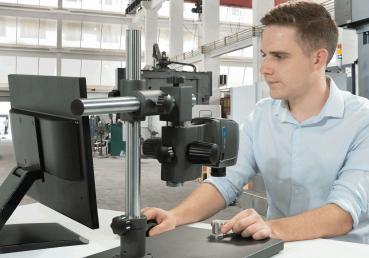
29 2
27 31
248 52
27 65
91 69
9 1
91 35
76 4
111 36
47 32
108 72
91 4
71 34
47 66
248 78
8 30
112 5
71 67
53 3
7 66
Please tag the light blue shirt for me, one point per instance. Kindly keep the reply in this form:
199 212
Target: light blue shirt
324 159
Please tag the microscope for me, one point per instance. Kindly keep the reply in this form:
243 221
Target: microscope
185 146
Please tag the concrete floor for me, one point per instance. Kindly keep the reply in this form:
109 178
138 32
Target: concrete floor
109 180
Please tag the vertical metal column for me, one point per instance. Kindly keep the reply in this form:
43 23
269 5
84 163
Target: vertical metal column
133 170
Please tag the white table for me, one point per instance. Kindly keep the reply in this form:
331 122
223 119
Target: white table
103 239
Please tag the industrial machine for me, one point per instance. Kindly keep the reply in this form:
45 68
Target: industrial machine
355 15
186 144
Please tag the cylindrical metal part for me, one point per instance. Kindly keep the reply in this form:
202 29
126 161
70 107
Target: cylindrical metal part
133 170
85 107
216 226
133 48
133 72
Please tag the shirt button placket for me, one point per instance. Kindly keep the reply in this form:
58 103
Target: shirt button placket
294 167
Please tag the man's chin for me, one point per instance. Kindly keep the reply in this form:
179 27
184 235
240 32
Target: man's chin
274 95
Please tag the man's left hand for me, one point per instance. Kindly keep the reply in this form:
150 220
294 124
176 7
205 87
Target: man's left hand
248 223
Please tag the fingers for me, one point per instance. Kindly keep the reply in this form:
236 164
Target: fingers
257 230
248 223
227 227
262 234
145 209
161 228
243 223
150 213
164 219
230 224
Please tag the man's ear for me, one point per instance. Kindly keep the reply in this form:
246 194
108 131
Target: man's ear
320 58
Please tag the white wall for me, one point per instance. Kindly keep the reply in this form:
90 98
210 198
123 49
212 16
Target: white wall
242 102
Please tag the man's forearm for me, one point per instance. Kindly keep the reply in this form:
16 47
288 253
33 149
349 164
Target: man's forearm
202 203
327 221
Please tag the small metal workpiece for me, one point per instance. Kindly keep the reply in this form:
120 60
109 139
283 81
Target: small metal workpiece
216 226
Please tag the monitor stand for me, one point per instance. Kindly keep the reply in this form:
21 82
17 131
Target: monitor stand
25 237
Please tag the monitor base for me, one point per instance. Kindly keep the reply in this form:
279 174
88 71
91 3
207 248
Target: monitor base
25 237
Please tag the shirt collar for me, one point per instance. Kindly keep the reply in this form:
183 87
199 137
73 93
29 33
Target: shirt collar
334 106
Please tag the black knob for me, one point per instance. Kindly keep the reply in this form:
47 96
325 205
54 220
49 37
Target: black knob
203 153
155 149
121 225
165 154
150 147
165 103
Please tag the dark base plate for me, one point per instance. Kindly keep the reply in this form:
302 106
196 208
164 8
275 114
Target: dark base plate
24 237
186 242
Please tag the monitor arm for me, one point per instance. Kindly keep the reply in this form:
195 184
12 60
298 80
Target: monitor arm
185 146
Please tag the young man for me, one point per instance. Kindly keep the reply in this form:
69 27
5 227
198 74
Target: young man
310 141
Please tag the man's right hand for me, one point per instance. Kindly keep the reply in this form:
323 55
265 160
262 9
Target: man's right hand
165 219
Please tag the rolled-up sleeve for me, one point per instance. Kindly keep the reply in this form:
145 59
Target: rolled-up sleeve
351 189
238 175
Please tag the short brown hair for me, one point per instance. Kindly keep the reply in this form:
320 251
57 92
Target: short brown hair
315 26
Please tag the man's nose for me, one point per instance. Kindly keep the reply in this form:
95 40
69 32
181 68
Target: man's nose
266 68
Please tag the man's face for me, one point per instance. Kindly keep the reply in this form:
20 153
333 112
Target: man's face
285 66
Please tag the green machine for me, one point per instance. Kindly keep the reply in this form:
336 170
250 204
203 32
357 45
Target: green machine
117 145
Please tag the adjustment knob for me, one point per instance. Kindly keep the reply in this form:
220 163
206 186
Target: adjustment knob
166 154
203 153
165 103
155 149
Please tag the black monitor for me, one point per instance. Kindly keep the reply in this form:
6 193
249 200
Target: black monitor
54 161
